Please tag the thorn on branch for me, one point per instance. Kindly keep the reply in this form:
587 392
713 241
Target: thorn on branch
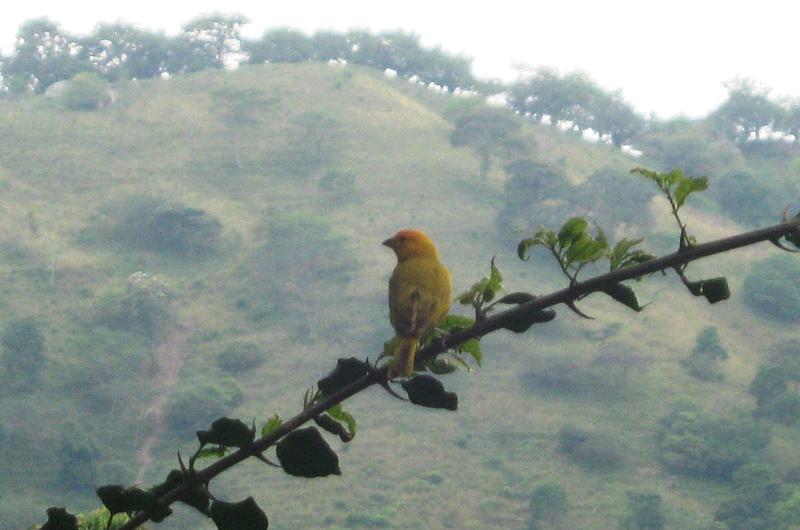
780 245
574 308
264 459
382 377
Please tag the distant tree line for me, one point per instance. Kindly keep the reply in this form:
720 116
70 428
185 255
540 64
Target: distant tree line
749 113
44 53
575 100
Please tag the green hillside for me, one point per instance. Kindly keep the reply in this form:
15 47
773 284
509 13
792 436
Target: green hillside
269 190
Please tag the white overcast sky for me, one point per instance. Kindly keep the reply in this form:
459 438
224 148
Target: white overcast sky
668 57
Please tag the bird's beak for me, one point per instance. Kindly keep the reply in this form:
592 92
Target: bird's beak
389 242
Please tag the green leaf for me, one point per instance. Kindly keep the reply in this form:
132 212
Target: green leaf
228 432
624 295
466 297
472 347
461 362
621 251
716 290
662 180
689 185
211 452
543 236
334 427
673 177
635 259
521 323
523 249
113 498
346 371
484 290
696 288
272 425
574 229
587 250
440 366
516 298
451 322
60 519
339 414
118 499
427 391
649 174
245 515
196 497
305 453
495 278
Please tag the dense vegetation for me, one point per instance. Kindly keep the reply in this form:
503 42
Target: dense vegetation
226 226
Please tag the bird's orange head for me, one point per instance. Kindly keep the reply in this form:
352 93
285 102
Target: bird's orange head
411 243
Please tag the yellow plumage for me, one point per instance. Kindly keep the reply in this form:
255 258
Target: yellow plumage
419 295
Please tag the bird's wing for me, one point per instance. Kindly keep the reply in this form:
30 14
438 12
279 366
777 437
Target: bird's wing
413 311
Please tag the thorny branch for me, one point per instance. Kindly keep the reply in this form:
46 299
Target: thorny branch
479 329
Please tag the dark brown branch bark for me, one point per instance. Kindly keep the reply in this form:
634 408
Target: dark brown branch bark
481 328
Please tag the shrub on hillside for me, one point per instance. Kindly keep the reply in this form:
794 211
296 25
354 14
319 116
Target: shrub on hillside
23 348
708 350
239 357
150 223
745 198
197 403
564 377
696 443
143 308
86 91
772 290
549 506
536 194
643 512
610 196
680 144
775 384
594 450
77 460
756 492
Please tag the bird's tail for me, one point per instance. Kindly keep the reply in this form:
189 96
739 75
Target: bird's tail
404 354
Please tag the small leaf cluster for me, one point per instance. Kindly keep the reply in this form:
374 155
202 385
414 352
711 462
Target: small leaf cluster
427 391
482 296
302 452
574 247
677 187
674 184
60 519
471 347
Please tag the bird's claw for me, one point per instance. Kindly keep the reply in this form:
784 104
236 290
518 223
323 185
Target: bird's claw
383 376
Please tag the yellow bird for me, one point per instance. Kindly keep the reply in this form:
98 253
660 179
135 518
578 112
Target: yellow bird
419 295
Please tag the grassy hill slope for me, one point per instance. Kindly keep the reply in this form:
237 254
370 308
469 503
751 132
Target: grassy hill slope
307 168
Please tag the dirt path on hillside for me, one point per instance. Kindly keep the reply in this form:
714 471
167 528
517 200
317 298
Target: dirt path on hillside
169 358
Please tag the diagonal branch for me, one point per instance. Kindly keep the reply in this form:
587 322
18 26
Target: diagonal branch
482 327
